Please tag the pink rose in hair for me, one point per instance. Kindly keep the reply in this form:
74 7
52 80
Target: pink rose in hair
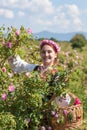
50 42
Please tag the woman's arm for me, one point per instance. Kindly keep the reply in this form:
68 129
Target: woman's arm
18 65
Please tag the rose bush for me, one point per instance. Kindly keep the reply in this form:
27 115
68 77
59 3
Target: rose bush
25 99
11 40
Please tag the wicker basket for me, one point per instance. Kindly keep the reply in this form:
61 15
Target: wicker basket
77 117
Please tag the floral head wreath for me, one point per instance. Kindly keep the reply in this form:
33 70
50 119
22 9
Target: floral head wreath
50 42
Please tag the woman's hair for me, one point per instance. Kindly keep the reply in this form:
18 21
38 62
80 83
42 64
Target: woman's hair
54 45
51 43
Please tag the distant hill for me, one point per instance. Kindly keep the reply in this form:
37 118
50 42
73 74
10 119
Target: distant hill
58 36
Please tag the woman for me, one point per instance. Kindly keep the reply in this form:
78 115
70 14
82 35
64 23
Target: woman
48 52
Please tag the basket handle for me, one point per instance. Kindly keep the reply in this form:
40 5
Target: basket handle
72 95
53 97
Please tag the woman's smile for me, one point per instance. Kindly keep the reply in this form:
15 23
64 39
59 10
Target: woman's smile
48 55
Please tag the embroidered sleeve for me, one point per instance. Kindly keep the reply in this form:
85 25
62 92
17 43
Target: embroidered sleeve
18 65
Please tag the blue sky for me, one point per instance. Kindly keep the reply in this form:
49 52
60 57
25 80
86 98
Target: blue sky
59 16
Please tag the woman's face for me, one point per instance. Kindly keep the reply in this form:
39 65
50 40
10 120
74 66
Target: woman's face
48 55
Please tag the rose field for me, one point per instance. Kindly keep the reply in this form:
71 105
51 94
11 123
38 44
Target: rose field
23 97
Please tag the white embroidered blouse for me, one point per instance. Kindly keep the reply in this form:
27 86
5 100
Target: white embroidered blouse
18 65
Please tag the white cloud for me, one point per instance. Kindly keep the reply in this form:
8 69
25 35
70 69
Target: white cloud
38 6
61 20
74 13
44 22
84 11
43 14
73 10
78 24
8 3
21 13
35 6
6 13
55 20
66 18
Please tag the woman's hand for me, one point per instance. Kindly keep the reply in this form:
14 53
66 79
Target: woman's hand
11 59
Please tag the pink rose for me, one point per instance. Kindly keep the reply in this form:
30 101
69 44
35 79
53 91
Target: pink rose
17 32
10 75
43 128
29 31
28 120
49 128
56 115
9 45
4 96
27 74
3 43
4 69
53 113
77 57
77 101
11 88
65 112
